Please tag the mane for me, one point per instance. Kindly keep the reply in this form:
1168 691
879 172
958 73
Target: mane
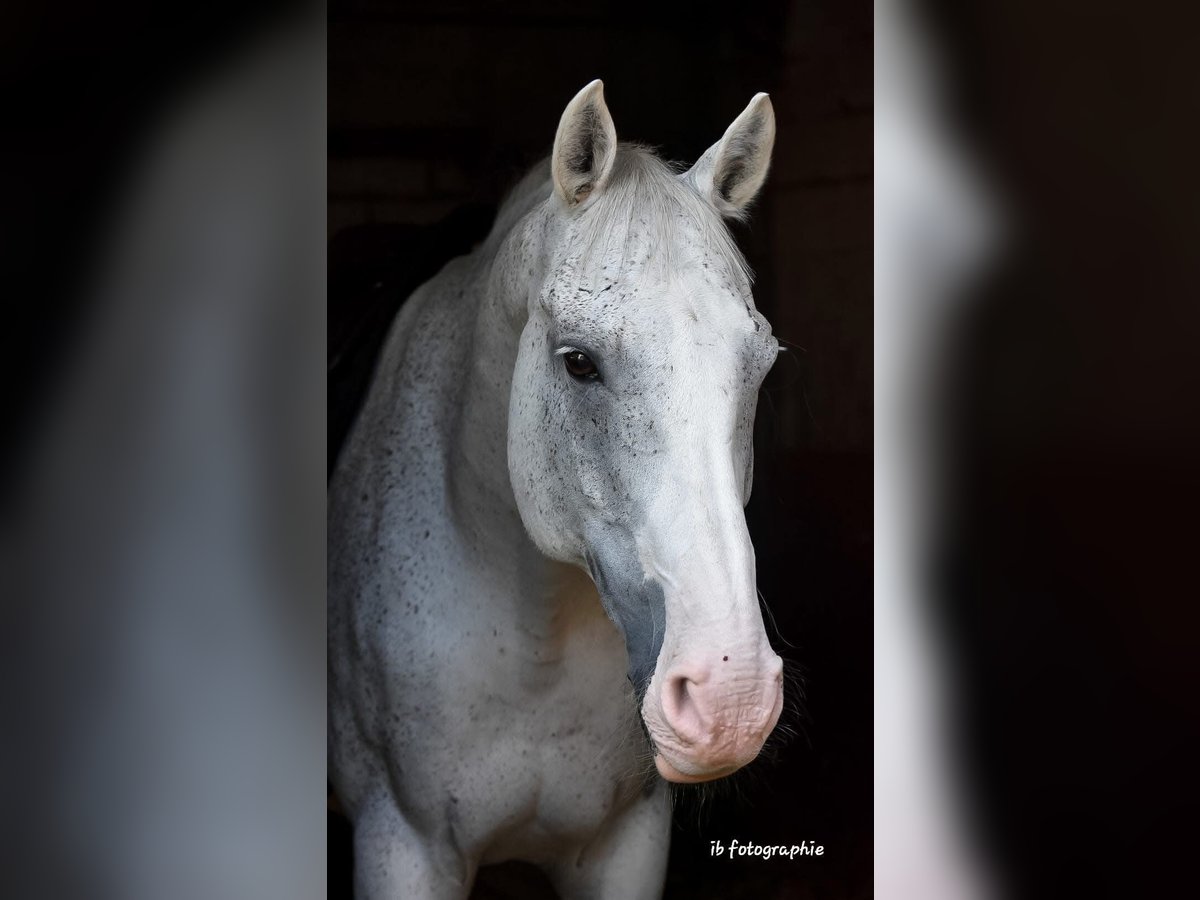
644 193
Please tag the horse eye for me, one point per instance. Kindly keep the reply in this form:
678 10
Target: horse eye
579 365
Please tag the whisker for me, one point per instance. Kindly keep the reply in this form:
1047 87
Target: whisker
790 344
762 602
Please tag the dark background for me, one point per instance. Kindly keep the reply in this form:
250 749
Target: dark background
1067 546
436 108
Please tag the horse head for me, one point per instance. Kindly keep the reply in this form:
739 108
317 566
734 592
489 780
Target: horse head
631 418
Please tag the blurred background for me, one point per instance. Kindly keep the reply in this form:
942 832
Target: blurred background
436 109
162 468
1036 311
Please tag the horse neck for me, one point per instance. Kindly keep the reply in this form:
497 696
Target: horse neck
551 598
478 481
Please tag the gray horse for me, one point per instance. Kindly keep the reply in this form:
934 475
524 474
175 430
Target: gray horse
542 594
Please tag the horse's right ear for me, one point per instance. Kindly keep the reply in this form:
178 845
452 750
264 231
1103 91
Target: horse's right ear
584 147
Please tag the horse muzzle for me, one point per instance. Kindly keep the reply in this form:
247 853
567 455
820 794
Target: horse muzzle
707 720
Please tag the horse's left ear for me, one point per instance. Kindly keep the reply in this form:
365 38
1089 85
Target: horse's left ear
584 147
731 171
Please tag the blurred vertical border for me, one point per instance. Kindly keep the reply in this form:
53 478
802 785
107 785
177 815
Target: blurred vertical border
163 466
1036 285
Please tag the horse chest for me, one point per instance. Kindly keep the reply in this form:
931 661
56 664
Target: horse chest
540 742
562 702
562 758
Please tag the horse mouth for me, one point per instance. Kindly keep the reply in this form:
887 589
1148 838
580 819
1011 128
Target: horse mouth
670 772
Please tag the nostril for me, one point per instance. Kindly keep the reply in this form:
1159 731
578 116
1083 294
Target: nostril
679 692
681 709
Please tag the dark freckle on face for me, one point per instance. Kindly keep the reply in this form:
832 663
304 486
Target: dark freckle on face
724 659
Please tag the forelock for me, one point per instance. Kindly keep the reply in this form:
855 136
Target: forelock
646 209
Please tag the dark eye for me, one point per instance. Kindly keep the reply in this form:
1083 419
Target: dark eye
579 365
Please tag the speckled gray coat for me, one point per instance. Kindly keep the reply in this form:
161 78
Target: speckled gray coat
484 694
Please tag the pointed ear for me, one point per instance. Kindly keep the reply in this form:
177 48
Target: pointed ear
584 147
733 169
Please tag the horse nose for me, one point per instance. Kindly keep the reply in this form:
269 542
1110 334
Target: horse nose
684 704
721 713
